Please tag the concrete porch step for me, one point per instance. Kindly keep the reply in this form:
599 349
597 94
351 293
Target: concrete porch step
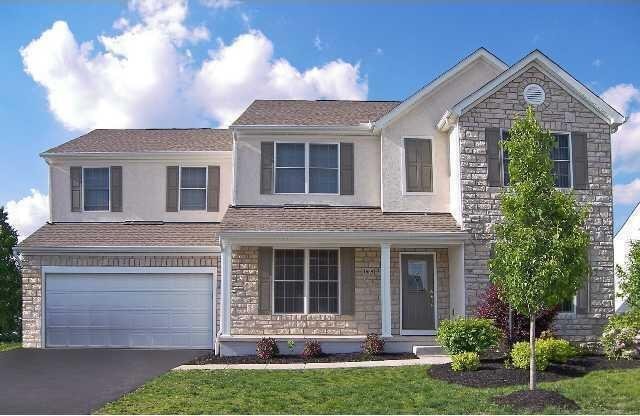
423 350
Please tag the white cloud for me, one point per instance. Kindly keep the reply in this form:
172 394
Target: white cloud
628 193
379 51
246 69
145 76
29 213
625 142
220 4
318 43
597 62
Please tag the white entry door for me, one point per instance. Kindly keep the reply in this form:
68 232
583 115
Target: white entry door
170 308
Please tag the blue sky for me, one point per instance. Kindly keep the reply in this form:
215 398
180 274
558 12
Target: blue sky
376 50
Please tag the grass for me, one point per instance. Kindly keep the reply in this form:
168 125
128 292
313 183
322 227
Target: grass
356 391
6 346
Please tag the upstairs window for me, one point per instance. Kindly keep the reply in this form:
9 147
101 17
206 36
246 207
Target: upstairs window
306 168
560 155
193 189
418 165
96 189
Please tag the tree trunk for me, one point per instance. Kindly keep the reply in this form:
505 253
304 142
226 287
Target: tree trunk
532 355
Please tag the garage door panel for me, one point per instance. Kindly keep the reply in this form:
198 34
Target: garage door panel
129 310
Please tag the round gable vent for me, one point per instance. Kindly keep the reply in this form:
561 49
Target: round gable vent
534 94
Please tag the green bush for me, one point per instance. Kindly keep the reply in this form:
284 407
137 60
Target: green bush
468 335
621 336
558 350
466 361
520 356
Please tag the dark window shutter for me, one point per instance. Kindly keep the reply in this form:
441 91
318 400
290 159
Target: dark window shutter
172 189
412 163
76 188
346 169
580 160
426 180
347 281
492 137
116 189
266 167
213 189
265 260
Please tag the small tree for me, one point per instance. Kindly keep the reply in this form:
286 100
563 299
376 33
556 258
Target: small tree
10 284
540 254
630 278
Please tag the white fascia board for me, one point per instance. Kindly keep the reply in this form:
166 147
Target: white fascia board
362 129
211 250
634 213
410 102
136 155
584 94
342 238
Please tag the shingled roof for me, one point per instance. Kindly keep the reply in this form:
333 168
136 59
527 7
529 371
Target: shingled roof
337 219
109 234
313 113
147 140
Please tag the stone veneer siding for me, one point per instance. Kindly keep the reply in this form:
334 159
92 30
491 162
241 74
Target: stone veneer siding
32 281
245 319
559 112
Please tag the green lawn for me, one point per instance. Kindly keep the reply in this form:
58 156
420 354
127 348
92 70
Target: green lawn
6 346
363 391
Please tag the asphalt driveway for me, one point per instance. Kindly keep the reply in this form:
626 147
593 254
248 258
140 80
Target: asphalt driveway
76 381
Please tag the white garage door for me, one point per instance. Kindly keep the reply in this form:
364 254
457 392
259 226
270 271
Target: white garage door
129 310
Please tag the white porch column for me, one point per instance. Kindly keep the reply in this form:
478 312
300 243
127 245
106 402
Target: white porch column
225 290
385 288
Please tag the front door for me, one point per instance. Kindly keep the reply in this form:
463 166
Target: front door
418 293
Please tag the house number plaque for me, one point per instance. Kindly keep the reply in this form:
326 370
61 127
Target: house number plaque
371 271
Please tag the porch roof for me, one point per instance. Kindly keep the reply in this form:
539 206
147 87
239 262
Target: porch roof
295 219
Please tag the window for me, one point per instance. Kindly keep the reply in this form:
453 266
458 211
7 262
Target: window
193 189
288 281
295 270
323 168
568 306
306 168
560 155
96 189
418 165
323 281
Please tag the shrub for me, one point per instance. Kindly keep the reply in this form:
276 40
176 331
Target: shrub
621 336
558 350
468 335
311 349
266 348
520 356
373 345
466 361
492 307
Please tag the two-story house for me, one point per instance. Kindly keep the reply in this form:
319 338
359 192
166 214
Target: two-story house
309 219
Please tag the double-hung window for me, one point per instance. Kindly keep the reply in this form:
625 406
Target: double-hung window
306 168
560 155
306 281
96 189
193 188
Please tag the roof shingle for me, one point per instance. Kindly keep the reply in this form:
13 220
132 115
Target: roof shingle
313 113
110 234
147 140
337 219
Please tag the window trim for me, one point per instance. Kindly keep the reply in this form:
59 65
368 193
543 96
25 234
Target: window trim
306 296
554 132
206 187
307 147
84 199
403 165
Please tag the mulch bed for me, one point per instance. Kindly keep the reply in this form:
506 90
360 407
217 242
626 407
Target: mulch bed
536 400
291 359
494 374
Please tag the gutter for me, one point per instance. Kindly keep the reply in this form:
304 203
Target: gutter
118 249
